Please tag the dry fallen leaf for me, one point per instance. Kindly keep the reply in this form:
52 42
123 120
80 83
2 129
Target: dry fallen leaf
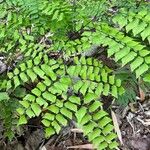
116 126
85 146
141 92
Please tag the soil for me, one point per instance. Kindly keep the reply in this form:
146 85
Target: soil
134 121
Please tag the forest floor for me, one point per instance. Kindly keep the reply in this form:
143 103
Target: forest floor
133 131
134 128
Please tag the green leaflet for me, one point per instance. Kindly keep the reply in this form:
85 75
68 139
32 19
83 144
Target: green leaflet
36 92
113 145
122 53
4 96
77 85
66 80
144 52
55 90
107 129
96 132
38 71
37 60
46 123
22 120
147 59
31 74
147 78
16 71
110 136
30 113
106 89
61 86
143 68
41 102
99 115
80 114
16 81
71 70
132 25
85 119
29 64
139 28
114 91
36 109
83 72
61 119
25 103
84 87
10 75
59 103
56 126
89 127
103 122
98 141
120 20
104 76
53 109
113 50
47 81
29 97
99 89
129 57
142 12
49 131
118 83
9 85
20 92
136 63
48 96
89 97
48 71
95 106
71 106
112 79
41 86
49 116
78 70
75 99
96 70
102 146
138 47
145 33
20 111
66 112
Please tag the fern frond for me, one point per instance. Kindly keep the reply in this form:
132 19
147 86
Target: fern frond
123 48
69 85
135 21
56 97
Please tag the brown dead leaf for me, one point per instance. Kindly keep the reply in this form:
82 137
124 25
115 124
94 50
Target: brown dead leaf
85 146
116 126
141 92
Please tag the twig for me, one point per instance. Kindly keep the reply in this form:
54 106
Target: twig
129 121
